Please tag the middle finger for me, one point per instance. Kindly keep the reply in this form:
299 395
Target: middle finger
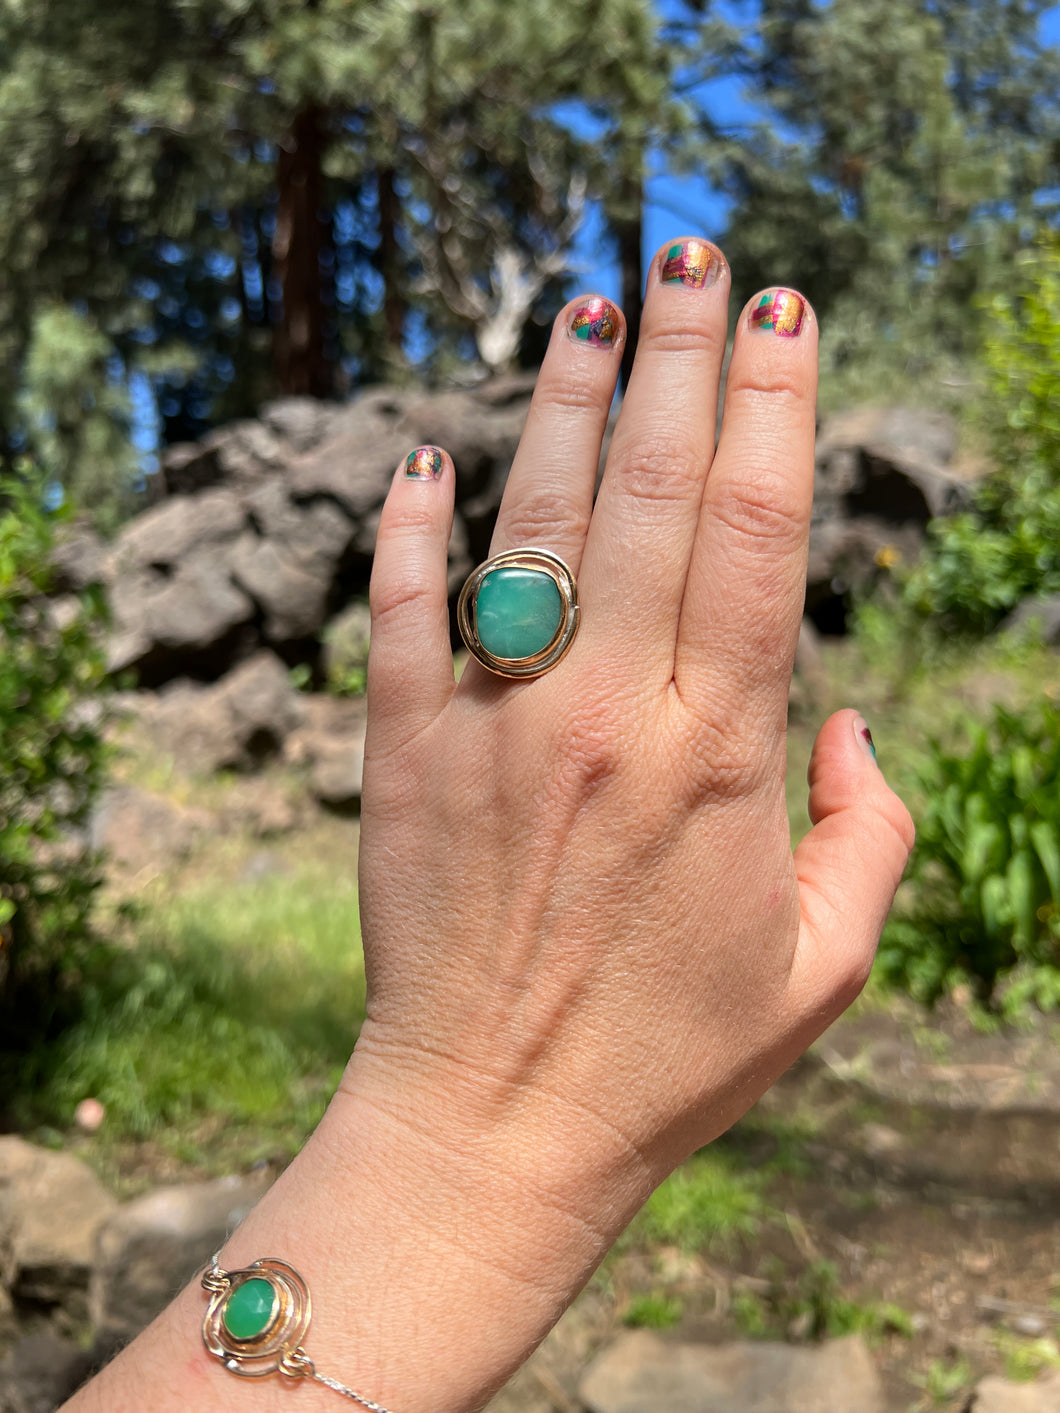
644 524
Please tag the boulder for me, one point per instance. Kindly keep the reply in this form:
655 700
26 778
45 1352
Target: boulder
643 1373
78 560
1038 615
335 777
56 1207
43 1371
155 1244
997 1395
881 475
162 536
136 829
234 724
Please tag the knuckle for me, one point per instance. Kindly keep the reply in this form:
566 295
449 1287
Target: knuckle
660 469
762 508
398 600
688 338
758 394
537 514
570 394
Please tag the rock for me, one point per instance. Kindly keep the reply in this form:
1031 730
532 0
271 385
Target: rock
137 829
163 536
346 642
1038 615
335 778
293 600
642 1373
42 1372
301 422
997 1395
187 467
198 607
236 723
56 1206
154 1245
881 476
78 560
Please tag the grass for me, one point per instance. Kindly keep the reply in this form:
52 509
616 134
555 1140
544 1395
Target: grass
712 1200
217 1022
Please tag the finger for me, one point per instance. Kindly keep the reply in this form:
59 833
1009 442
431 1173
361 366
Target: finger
746 583
848 866
410 663
548 499
644 523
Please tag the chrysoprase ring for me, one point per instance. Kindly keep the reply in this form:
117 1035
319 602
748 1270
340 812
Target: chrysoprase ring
518 612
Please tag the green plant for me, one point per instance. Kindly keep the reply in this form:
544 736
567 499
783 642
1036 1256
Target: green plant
653 1311
1026 1358
982 563
944 1380
985 873
711 1199
220 1031
51 746
814 1305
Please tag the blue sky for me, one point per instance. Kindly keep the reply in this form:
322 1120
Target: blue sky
687 205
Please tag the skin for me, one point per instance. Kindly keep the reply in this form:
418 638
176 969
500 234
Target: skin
589 945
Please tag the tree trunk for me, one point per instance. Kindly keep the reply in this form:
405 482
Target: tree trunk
304 362
389 271
629 231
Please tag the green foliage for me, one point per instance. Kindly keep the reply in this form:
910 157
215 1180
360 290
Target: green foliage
1026 1358
945 1379
985 873
223 1029
653 1311
982 563
714 1198
912 147
51 681
814 1306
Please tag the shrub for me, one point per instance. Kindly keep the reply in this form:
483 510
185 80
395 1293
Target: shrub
986 868
51 747
982 563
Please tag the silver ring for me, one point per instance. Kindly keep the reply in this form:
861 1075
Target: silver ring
518 612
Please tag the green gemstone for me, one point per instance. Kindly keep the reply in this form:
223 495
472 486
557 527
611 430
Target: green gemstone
249 1309
518 612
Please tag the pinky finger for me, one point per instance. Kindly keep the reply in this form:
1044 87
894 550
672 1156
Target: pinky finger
410 662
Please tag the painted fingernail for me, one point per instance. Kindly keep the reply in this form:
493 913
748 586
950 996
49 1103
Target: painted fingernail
424 464
864 735
781 311
692 263
595 322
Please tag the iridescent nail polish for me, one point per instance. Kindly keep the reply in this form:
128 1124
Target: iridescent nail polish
864 736
595 322
781 311
692 263
424 464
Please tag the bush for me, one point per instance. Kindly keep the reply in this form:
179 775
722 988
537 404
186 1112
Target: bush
986 870
981 564
51 678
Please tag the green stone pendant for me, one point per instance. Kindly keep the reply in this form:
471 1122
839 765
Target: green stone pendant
518 612
249 1309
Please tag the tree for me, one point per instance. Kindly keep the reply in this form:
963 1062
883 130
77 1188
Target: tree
908 148
245 197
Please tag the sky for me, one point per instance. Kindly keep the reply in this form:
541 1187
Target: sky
677 206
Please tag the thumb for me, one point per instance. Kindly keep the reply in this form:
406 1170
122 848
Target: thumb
848 866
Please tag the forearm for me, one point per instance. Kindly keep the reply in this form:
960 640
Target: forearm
435 1261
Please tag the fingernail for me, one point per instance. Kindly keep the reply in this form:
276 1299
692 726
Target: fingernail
781 311
424 464
864 735
596 322
692 263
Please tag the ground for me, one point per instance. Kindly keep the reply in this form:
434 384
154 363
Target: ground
902 1180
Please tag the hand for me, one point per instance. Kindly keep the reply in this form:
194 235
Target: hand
590 948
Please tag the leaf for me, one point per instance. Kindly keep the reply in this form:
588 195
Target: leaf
1047 847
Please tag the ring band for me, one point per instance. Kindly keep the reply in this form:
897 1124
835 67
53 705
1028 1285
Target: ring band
518 612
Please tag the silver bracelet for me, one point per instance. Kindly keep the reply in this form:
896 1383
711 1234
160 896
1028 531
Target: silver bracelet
256 1321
